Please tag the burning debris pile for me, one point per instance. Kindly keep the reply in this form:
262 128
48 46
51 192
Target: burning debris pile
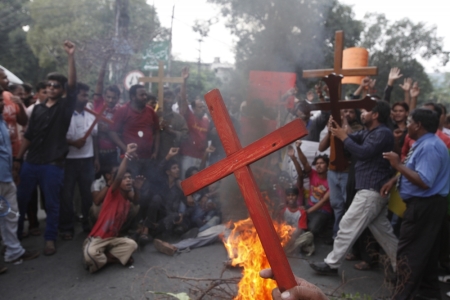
245 250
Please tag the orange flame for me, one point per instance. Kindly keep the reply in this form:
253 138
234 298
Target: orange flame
245 250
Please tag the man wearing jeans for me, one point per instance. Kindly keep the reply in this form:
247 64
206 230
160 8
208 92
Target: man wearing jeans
47 147
423 185
369 207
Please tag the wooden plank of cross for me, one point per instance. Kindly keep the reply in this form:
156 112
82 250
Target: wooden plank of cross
338 53
237 161
161 79
333 81
98 117
337 158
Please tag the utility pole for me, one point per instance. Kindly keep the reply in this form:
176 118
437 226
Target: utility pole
169 59
199 64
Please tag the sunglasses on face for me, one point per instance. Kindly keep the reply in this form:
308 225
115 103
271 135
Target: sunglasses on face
54 85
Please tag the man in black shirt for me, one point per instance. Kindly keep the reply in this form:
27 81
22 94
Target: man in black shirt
45 140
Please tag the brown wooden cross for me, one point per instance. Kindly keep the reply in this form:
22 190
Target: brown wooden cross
333 78
98 117
161 80
333 81
338 53
237 161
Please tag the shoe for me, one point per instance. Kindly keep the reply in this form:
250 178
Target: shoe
323 269
3 269
27 255
164 247
50 248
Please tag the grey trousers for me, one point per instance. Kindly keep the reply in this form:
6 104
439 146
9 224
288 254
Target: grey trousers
8 223
368 209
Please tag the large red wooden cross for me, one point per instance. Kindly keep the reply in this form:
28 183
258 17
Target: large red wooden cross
98 117
237 161
333 78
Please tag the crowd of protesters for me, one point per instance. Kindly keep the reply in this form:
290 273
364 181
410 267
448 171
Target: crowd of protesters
127 160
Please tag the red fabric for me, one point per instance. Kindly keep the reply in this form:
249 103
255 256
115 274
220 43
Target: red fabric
104 142
112 216
409 142
196 144
10 113
294 212
130 122
318 187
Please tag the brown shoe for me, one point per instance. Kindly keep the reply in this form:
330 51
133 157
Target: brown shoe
27 255
164 247
50 248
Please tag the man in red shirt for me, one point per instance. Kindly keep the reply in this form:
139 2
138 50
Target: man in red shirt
136 122
193 148
107 148
103 244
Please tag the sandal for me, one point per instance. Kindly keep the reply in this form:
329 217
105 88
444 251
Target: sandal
144 239
50 248
362 266
66 236
351 257
444 279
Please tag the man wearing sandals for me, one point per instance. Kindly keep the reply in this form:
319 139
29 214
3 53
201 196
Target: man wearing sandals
103 245
423 184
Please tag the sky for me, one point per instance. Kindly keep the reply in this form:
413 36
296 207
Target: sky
220 42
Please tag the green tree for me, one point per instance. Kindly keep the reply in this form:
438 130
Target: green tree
16 55
399 44
98 27
288 36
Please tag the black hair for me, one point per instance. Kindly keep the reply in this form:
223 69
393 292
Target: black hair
189 172
444 109
427 118
325 158
27 87
384 111
168 164
107 168
436 108
169 94
151 97
292 190
82 87
134 88
402 104
57 77
115 89
42 85
13 87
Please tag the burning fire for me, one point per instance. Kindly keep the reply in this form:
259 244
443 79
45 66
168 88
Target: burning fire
245 250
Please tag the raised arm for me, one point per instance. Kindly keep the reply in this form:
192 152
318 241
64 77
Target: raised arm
101 77
129 154
406 86
298 168
394 74
414 92
182 103
69 47
303 159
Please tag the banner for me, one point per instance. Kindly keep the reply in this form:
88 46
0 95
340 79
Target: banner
269 86
158 51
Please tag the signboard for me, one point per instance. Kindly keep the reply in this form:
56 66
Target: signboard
158 51
132 78
269 86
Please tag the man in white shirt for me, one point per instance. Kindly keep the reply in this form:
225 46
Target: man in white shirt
80 166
